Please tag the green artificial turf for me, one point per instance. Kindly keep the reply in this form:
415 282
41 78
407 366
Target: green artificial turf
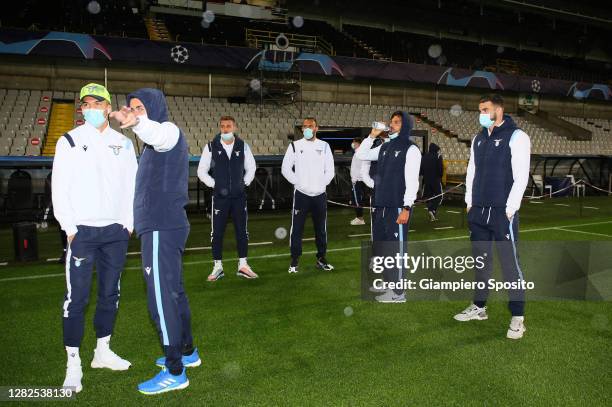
309 339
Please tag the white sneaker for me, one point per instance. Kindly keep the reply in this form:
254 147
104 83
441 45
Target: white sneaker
74 374
391 297
217 272
472 312
516 328
108 359
357 221
293 269
246 272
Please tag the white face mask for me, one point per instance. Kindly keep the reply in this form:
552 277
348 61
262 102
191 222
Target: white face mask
393 135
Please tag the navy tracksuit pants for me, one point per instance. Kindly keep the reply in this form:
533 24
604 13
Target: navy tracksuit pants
302 205
357 198
222 209
162 262
389 239
106 248
488 225
432 188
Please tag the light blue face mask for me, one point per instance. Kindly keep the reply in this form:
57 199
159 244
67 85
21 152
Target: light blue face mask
485 120
95 117
227 136
393 135
308 134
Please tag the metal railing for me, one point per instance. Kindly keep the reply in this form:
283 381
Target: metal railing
260 38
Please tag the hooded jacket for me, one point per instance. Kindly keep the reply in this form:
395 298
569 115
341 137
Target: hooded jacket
390 180
162 178
431 166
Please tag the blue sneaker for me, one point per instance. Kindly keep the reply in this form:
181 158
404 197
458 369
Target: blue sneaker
164 382
192 360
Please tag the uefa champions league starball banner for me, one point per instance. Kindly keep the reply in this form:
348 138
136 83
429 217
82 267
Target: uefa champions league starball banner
101 49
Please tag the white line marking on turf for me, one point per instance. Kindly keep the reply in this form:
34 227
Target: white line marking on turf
36 277
308 238
583 232
444 227
188 249
268 256
566 205
360 235
453 211
590 207
536 202
3 264
55 259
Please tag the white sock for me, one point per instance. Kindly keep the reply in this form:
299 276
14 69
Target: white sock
521 318
242 262
103 343
219 263
73 355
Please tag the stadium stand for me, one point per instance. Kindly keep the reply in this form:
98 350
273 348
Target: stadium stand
25 120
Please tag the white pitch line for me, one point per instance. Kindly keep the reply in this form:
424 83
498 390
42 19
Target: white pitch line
269 256
536 202
308 238
444 227
36 277
583 232
566 205
453 211
360 235
590 207
3 264
188 249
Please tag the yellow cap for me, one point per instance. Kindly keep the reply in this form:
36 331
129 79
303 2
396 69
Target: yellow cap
96 91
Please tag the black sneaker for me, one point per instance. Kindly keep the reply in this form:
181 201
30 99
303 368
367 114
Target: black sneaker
323 264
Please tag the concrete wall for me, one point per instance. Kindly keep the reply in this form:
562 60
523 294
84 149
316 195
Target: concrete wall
16 73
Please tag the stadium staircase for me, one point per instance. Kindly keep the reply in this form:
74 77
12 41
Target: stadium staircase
372 52
561 127
156 28
60 122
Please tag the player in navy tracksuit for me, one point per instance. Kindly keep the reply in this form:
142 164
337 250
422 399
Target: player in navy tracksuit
497 175
395 188
432 169
227 165
161 223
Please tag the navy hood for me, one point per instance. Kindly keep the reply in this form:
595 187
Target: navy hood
508 121
154 101
433 148
406 129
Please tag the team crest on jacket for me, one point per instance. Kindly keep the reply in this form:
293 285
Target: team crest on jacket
497 142
237 153
397 153
116 149
84 148
219 152
148 270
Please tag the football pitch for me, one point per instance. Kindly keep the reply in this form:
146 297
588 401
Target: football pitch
308 338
